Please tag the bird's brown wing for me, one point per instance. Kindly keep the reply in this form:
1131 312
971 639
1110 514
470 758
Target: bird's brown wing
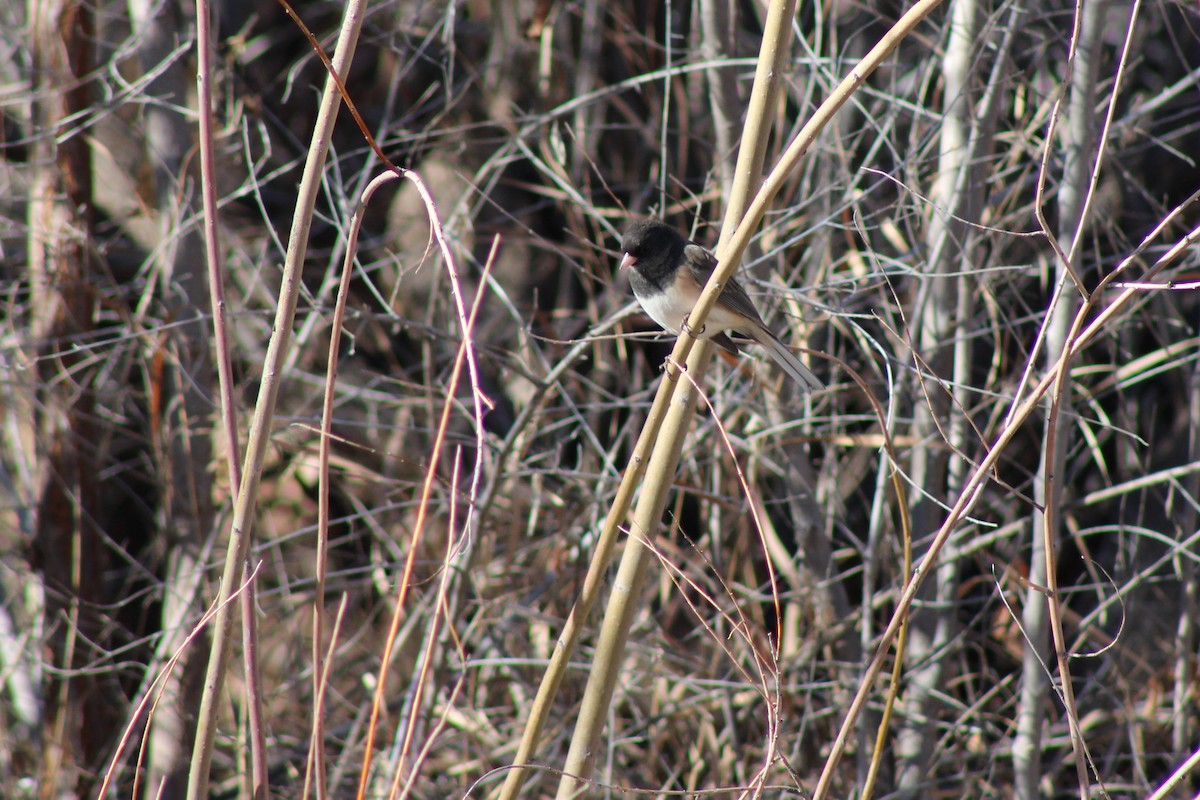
727 344
702 263
735 301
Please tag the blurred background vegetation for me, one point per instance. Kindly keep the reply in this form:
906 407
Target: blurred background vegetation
921 247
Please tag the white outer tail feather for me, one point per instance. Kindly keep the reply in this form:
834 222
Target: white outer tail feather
787 361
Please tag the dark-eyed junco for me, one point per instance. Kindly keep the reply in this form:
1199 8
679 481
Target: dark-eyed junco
668 272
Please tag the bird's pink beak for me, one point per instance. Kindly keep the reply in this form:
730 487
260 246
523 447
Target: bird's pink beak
627 261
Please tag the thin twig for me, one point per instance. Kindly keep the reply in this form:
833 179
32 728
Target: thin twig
264 409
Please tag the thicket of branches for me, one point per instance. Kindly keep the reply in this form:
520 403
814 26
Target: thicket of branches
997 216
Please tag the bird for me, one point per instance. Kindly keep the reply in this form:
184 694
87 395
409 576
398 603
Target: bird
668 272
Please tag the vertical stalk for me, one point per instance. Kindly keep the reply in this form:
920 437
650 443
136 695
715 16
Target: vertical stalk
264 409
1079 160
664 461
942 315
67 541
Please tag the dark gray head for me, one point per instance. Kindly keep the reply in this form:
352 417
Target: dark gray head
652 249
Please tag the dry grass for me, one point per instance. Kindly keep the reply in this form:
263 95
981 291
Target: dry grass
916 252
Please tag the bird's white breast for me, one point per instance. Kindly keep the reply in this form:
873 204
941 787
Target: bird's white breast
668 309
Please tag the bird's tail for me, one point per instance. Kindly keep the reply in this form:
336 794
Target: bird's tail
787 361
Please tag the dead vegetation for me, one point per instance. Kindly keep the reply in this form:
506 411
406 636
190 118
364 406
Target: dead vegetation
956 253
